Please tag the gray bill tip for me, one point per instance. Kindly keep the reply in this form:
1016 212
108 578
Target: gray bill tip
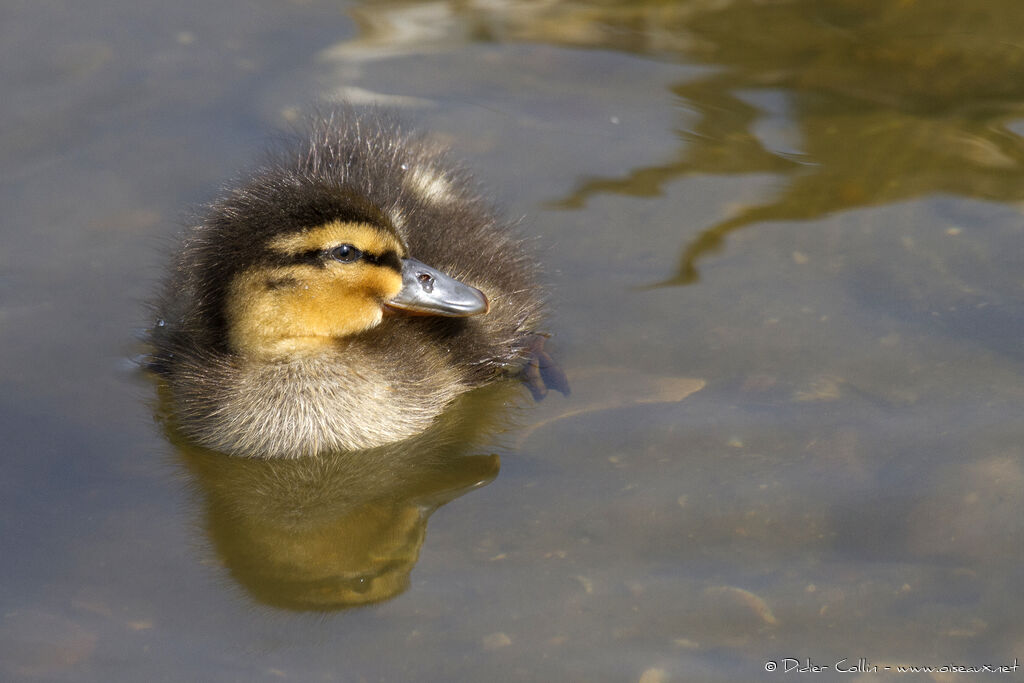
428 291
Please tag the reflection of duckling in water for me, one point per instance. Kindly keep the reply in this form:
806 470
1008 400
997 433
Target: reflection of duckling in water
322 554
301 317
345 529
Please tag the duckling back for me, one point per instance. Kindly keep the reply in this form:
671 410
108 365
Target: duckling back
278 333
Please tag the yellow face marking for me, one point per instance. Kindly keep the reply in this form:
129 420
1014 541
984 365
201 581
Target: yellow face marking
362 235
279 311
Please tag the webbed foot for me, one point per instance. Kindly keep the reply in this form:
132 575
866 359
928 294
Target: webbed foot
541 373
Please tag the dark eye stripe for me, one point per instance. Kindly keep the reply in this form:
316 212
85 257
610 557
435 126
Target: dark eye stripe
310 257
386 260
320 257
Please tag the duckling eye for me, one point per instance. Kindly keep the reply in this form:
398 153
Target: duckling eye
346 253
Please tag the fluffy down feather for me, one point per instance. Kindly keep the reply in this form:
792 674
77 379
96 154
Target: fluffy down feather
372 388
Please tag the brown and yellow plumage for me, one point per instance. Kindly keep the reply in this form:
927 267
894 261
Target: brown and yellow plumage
284 329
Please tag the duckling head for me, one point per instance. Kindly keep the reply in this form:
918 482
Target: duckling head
312 288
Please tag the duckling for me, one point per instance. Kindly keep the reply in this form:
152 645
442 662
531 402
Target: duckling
342 296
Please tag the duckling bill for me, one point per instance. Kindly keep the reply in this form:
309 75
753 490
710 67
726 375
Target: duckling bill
342 296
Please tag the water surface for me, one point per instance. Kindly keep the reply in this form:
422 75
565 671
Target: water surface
812 207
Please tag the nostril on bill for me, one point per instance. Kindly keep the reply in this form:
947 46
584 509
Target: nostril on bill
426 281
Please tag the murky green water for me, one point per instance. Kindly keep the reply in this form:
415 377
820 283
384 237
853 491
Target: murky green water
812 206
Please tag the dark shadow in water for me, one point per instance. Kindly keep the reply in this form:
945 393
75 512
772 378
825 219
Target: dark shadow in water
888 101
328 533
